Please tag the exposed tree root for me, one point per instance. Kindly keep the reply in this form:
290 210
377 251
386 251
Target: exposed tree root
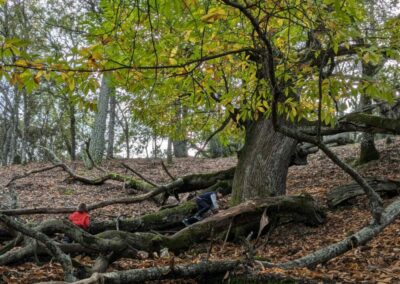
62 258
158 273
222 266
121 243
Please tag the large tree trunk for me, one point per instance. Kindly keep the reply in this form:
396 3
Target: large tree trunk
263 163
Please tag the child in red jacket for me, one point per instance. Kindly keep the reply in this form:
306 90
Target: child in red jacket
80 217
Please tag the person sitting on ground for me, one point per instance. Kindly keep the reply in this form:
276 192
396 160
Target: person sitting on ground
81 217
206 202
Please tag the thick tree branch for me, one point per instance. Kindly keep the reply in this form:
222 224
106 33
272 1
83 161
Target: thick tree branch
62 258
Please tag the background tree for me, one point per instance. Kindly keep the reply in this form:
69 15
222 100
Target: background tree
97 138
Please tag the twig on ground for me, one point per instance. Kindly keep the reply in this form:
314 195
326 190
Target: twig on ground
139 175
166 170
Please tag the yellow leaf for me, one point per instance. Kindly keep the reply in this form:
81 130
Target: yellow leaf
97 55
213 15
71 84
36 78
47 76
64 76
366 58
186 35
21 62
172 61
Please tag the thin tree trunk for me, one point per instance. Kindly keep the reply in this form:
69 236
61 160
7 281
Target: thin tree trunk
6 145
169 151
368 151
123 121
111 126
9 147
97 142
14 137
180 145
72 130
25 129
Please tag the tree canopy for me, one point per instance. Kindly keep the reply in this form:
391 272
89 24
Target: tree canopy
209 55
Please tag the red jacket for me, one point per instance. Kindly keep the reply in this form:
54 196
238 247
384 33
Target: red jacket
80 219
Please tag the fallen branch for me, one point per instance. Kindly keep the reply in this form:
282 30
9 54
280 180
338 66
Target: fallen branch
62 258
166 170
181 185
26 174
222 266
302 208
164 272
123 200
139 175
343 193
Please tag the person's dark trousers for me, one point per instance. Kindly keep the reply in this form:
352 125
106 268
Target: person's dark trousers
202 206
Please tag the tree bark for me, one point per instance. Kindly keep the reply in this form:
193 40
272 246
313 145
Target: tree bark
263 163
180 144
72 129
111 126
124 123
64 259
169 151
368 151
180 149
221 266
343 193
24 132
97 141
10 143
288 208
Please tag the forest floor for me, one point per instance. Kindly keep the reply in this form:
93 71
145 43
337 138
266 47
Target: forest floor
376 262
